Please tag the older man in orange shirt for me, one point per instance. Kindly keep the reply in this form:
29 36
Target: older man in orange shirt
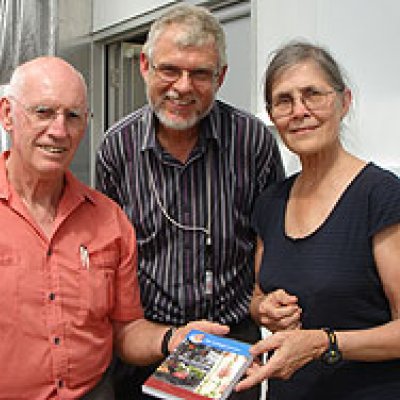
68 287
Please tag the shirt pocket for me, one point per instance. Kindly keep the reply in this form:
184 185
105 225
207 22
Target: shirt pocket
10 275
97 284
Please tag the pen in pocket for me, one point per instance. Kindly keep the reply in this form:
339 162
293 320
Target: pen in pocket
84 253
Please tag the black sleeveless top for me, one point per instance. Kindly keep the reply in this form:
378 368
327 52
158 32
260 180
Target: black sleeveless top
333 273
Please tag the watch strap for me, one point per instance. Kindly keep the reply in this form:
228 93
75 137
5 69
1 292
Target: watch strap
332 355
165 341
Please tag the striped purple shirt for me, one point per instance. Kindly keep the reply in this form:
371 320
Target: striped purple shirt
235 158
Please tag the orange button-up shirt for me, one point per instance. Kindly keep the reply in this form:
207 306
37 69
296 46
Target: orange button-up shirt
59 295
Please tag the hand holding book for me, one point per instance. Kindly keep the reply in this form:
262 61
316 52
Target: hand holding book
180 333
203 366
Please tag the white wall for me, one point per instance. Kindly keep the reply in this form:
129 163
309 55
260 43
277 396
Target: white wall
108 13
236 88
364 38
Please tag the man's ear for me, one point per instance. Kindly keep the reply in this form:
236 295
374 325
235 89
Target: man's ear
221 75
144 65
5 114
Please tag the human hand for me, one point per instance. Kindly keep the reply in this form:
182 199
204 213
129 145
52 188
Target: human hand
279 311
292 350
202 325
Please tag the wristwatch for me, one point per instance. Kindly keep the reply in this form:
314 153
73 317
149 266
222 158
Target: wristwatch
333 355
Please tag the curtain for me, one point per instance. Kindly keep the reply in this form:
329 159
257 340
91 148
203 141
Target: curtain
27 30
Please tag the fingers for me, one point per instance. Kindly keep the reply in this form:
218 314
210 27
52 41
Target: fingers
280 311
292 350
283 297
279 299
255 375
258 373
203 325
280 321
265 345
210 327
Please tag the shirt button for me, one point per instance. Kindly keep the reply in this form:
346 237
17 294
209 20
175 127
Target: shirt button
52 296
57 340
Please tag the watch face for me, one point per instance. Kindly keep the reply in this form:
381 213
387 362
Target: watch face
332 357
333 354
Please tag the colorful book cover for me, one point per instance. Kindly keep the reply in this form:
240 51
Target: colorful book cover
202 367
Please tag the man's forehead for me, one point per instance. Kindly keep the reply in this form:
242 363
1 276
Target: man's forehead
176 49
51 89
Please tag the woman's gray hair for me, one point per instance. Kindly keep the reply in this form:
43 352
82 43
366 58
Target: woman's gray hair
297 52
202 27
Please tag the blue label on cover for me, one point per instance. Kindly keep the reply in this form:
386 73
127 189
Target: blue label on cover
219 342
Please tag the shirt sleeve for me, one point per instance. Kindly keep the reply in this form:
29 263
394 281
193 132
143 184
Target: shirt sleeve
254 218
384 203
262 211
107 173
127 299
269 166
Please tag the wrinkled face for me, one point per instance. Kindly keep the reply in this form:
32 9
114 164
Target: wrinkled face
312 123
181 82
46 119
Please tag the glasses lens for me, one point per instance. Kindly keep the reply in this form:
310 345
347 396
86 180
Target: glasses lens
316 100
202 75
313 99
171 73
282 106
167 73
41 115
75 119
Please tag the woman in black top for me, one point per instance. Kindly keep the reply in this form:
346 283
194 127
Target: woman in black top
328 256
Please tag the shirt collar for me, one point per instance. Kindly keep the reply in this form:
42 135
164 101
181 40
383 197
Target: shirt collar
149 121
4 185
209 126
77 191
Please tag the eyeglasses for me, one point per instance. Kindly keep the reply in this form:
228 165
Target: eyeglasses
313 99
42 116
171 73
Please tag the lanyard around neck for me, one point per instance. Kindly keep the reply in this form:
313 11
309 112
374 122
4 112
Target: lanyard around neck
205 229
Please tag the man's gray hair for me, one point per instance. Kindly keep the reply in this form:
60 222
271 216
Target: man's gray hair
201 27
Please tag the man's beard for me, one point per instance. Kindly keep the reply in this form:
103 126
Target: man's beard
173 124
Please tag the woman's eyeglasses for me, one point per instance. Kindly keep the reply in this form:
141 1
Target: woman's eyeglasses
313 99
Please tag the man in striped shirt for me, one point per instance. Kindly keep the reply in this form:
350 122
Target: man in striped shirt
186 169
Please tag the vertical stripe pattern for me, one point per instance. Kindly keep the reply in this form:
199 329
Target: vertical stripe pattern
244 159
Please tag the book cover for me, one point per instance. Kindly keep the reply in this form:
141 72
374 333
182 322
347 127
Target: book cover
203 366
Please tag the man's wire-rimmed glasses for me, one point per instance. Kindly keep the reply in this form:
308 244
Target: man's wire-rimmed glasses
171 73
42 115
